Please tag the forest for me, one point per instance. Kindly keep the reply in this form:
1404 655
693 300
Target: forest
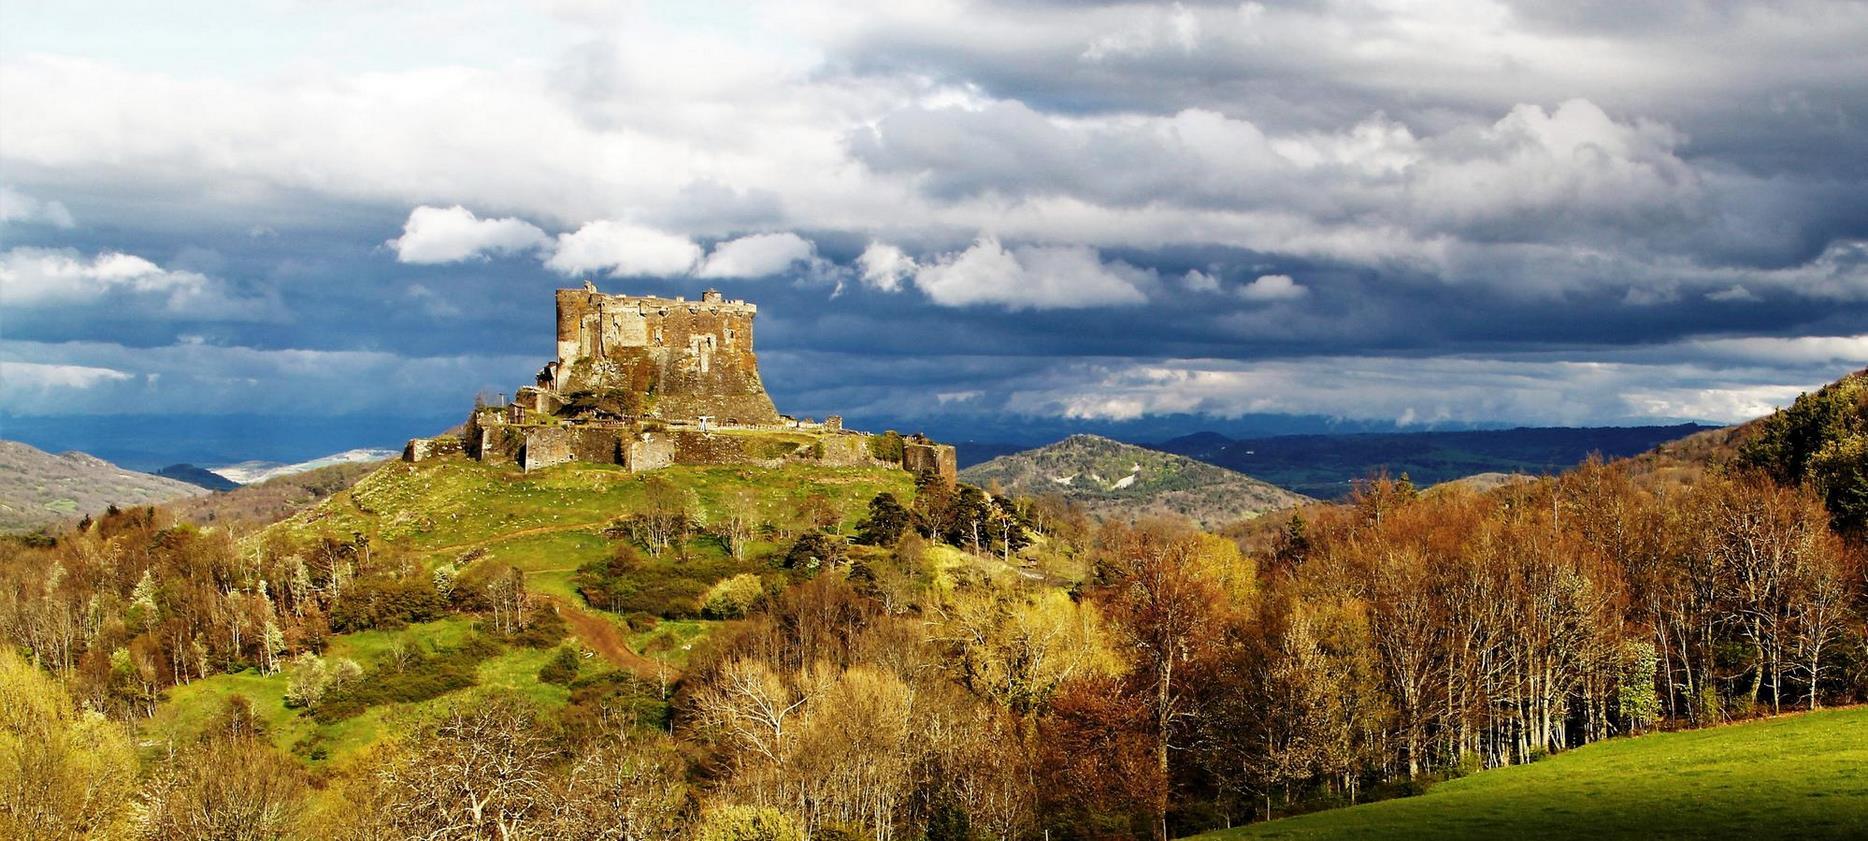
1136 679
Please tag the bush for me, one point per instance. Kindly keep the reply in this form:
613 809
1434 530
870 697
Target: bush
382 602
815 549
420 680
887 446
628 584
598 702
733 597
562 668
748 823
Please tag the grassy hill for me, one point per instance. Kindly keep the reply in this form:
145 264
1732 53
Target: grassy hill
40 489
461 514
1802 776
1110 477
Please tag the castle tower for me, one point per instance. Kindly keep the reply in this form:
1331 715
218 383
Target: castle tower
672 359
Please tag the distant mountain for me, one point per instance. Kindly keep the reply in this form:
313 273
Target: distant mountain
198 476
1112 478
1325 466
263 503
38 488
251 472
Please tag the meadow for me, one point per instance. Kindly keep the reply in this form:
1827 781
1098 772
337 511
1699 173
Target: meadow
1799 776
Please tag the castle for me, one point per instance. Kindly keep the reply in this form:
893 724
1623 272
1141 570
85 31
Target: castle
646 382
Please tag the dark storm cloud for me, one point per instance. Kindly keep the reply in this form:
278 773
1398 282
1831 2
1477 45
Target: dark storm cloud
1093 213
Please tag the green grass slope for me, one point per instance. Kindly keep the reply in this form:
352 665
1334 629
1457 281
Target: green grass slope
549 522
1803 777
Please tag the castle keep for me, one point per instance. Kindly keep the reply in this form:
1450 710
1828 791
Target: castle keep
676 360
646 382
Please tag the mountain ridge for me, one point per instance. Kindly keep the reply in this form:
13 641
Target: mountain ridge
1110 477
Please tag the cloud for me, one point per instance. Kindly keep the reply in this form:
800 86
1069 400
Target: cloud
1273 287
758 255
1029 277
37 376
453 234
36 276
885 266
623 250
1466 390
1199 281
16 207
195 377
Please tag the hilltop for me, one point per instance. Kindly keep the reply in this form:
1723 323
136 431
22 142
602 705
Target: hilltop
39 489
1110 478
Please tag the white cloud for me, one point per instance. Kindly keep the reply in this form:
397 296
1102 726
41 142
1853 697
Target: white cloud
15 376
128 284
885 266
1273 287
33 276
1199 281
16 206
623 250
452 234
1029 277
758 255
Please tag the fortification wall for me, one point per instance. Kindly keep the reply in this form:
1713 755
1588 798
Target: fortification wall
553 445
926 457
423 449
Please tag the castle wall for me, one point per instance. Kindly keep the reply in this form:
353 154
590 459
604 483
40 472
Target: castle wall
422 449
926 457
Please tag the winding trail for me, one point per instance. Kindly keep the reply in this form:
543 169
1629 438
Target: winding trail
606 639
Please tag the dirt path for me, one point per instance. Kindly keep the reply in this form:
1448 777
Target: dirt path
606 639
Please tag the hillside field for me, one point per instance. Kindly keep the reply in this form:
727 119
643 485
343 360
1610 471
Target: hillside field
1800 776
547 523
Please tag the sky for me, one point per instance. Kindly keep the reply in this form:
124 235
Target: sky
274 228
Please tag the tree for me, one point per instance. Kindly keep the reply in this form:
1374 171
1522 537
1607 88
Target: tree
232 786
627 787
506 594
666 516
741 522
886 522
479 771
63 774
1165 607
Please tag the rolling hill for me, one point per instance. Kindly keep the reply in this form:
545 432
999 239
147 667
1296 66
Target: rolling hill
38 488
1792 777
1111 478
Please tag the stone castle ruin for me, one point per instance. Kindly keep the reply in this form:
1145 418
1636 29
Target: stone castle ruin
646 382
